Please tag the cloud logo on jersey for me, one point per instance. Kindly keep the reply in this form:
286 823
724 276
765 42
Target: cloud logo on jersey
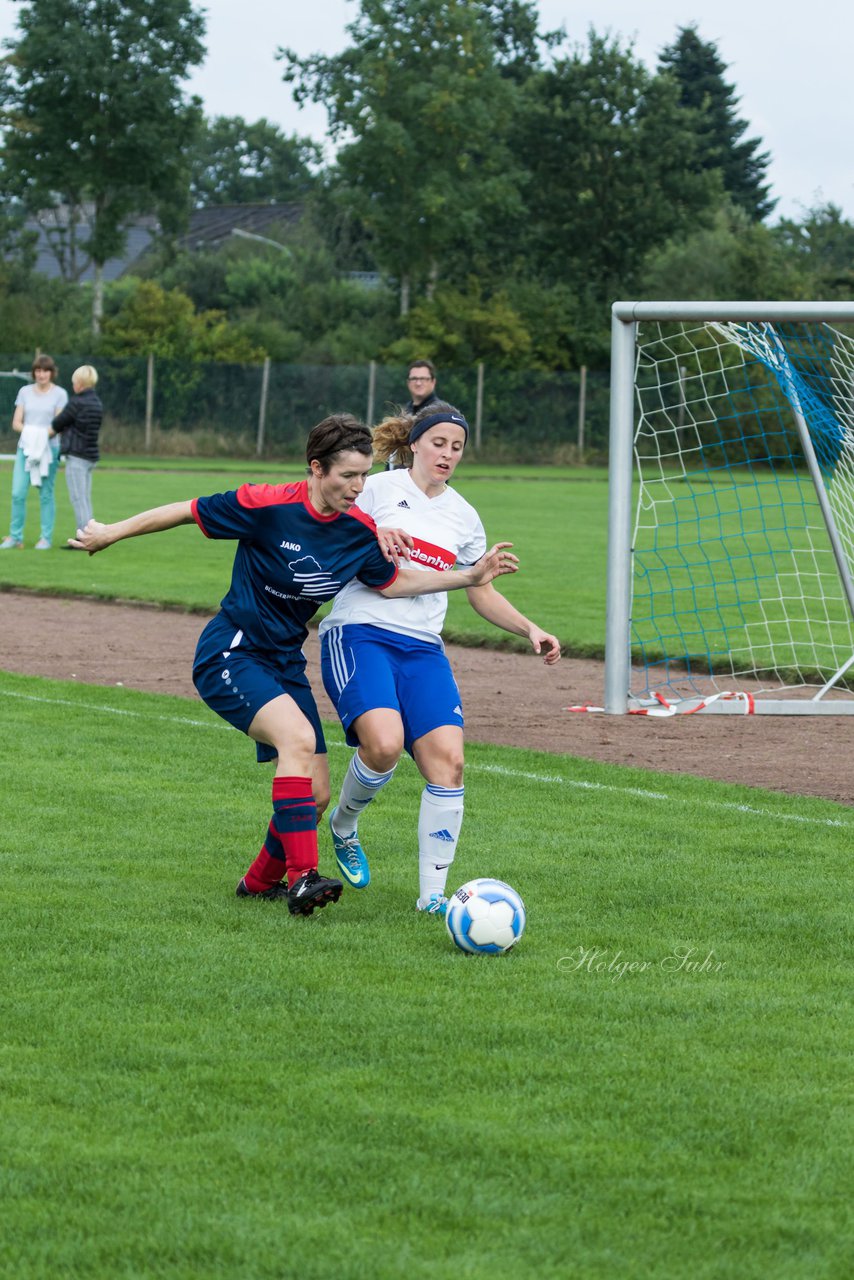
313 581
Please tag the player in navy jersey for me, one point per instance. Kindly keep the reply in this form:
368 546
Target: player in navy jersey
383 661
298 546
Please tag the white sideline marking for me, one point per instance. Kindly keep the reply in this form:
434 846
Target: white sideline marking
113 711
578 783
658 795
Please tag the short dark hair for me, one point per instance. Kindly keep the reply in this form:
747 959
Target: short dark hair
339 433
45 362
421 364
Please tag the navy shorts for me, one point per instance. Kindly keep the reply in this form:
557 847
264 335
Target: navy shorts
367 667
236 681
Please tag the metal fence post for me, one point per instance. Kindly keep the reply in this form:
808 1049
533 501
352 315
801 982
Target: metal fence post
582 408
372 392
149 400
478 411
262 409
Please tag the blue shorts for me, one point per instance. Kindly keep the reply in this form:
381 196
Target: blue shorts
236 681
367 667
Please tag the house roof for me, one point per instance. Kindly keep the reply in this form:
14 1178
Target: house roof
206 228
49 227
215 224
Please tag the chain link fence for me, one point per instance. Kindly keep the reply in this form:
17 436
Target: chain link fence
211 409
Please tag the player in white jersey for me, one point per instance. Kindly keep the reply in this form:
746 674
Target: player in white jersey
383 661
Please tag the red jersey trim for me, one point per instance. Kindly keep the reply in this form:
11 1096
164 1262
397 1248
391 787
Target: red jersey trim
362 516
194 508
392 579
252 496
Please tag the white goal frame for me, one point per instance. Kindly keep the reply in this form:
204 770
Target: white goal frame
625 317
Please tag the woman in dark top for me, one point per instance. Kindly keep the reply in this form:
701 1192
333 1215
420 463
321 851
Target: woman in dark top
79 424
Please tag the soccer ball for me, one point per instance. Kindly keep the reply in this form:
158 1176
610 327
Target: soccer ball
485 917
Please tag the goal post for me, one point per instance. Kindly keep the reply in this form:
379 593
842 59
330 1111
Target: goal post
731 508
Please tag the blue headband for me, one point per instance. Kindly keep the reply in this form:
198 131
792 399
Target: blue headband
433 420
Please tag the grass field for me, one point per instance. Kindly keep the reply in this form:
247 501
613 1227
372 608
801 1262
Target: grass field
654 1084
722 584
550 520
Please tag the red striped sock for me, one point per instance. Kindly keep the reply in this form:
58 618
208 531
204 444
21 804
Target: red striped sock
295 823
290 848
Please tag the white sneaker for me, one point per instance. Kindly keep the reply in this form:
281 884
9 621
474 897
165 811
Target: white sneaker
11 544
42 545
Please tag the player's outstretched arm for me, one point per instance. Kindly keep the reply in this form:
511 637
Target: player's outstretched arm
498 610
97 536
419 582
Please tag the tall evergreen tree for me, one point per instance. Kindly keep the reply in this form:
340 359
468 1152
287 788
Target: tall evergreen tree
699 71
94 116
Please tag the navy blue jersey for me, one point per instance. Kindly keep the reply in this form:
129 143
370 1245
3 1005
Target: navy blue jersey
290 559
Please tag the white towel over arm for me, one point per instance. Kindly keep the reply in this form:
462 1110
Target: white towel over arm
35 443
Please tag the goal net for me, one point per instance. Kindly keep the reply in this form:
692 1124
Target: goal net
732 465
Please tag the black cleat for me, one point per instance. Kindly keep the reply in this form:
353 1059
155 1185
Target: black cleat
310 891
279 890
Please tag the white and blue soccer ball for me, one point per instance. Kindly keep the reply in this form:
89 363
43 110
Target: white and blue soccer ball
485 917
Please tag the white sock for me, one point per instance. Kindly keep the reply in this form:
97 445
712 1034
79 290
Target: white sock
358 789
439 824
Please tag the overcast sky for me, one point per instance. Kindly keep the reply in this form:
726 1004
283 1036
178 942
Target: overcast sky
790 64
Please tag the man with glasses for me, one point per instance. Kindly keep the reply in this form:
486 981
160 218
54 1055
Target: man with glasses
421 381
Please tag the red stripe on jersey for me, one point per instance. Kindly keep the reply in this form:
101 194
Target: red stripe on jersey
271 495
194 507
362 516
431 556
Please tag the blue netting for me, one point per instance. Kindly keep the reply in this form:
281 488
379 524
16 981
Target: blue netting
733 572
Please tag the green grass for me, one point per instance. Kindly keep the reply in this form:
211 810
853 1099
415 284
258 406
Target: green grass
722 583
553 522
194 1086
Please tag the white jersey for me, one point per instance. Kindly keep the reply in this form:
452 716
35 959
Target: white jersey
446 530
40 407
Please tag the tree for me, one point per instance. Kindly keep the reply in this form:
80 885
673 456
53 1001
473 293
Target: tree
234 162
699 72
823 247
143 318
95 119
735 257
460 326
422 97
611 170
